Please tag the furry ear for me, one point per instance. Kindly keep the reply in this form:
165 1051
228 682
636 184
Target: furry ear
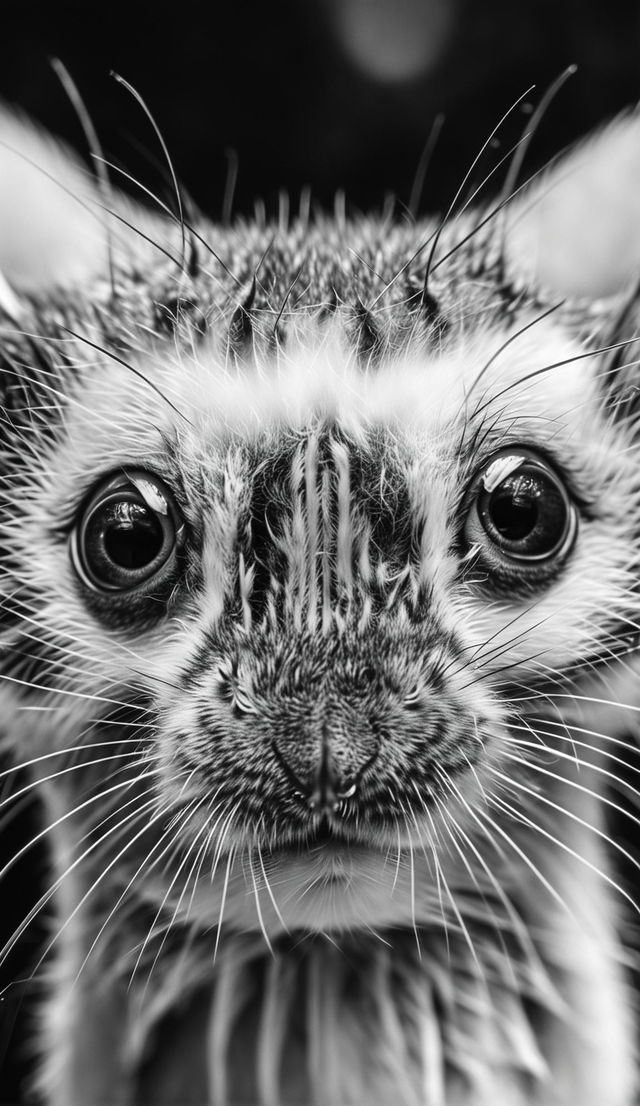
54 229
576 231
10 306
51 227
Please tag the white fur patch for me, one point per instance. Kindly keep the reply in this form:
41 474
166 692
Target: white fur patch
578 229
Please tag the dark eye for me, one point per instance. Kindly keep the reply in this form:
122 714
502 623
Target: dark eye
521 511
128 534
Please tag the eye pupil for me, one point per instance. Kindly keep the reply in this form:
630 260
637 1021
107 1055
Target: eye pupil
513 510
134 538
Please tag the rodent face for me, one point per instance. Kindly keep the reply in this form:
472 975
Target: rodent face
335 650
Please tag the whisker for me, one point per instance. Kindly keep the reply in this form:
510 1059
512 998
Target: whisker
204 832
539 797
256 896
138 98
63 818
48 895
93 142
597 352
445 220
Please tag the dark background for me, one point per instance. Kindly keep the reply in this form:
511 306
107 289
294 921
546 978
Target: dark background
334 94
330 93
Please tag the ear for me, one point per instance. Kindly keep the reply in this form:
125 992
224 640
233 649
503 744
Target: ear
576 230
10 306
56 226
51 229
52 233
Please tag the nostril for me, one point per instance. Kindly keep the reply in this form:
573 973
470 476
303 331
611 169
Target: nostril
317 781
300 788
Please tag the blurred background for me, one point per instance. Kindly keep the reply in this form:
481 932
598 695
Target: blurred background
336 94
373 98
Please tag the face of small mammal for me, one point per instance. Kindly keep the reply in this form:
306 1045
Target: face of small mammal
307 572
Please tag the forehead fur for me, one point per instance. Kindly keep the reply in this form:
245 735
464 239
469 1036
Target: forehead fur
203 400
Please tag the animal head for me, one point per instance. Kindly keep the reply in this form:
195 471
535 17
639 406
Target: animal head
315 521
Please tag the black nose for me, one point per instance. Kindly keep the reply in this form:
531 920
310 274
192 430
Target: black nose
326 772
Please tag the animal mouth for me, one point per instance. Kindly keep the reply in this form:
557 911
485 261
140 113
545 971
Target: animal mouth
325 836
327 843
322 852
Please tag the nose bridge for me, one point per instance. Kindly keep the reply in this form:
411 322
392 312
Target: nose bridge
330 527
308 549
324 554
326 757
326 786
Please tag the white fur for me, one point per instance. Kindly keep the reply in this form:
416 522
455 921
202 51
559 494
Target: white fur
578 228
